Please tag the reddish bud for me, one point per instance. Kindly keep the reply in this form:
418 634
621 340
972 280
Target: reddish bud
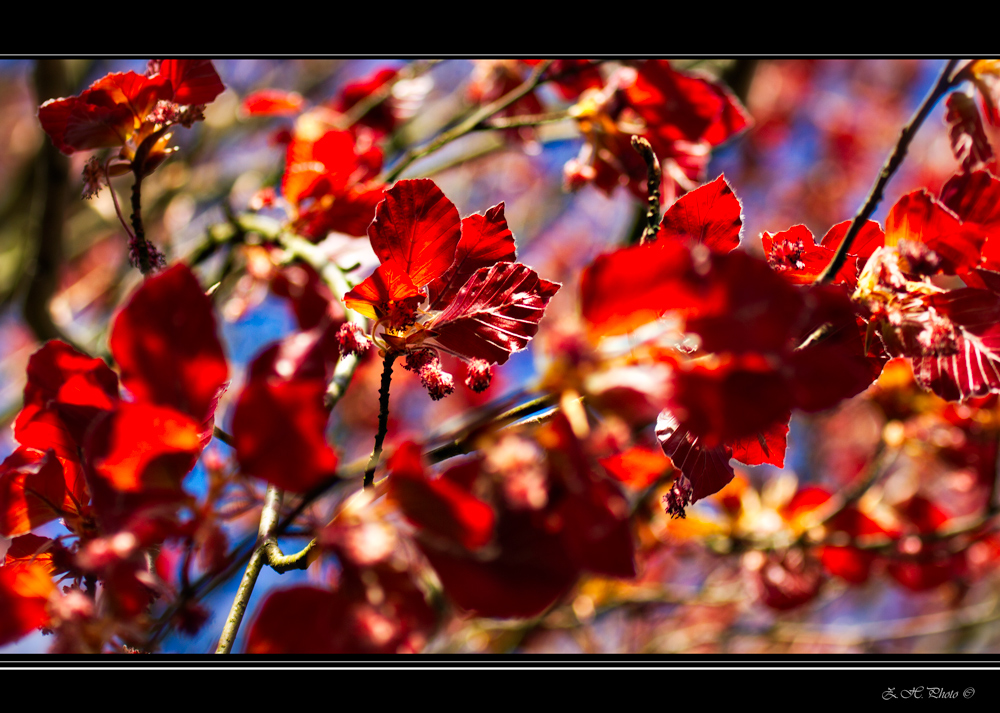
436 380
351 339
479 376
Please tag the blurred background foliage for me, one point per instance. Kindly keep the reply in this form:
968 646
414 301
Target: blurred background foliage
822 129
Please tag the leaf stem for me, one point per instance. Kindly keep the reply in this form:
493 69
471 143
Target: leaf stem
383 416
944 83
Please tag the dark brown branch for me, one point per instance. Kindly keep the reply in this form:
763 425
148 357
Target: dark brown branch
383 417
943 85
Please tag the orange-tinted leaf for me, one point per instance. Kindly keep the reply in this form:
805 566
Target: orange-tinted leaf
142 445
166 345
439 506
638 467
486 240
24 595
194 81
418 227
74 125
709 215
272 102
495 314
386 293
32 491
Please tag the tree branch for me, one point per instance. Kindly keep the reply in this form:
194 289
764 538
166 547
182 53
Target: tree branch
944 83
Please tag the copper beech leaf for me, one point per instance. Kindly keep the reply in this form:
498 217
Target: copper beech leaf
486 240
194 81
143 445
418 227
384 292
32 491
439 505
707 469
65 392
972 367
628 288
495 314
709 215
24 595
919 218
166 345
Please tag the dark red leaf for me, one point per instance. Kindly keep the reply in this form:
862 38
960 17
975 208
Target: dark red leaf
969 142
495 314
418 227
194 81
709 215
166 345
439 506
65 392
279 429
486 240
707 469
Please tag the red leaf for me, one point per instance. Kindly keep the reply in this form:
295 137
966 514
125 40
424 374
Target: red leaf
919 218
272 102
495 314
194 81
145 446
531 572
869 239
969 142
165 343
279 431
972 367
309 620
65 392
732 399
707 469
793 254
439 506
486 240
709 215
74 125
32 491
630 287
766 446
638 467
418 227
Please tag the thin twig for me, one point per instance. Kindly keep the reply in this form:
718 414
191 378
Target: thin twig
944 83
653 178
383 416
471 123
